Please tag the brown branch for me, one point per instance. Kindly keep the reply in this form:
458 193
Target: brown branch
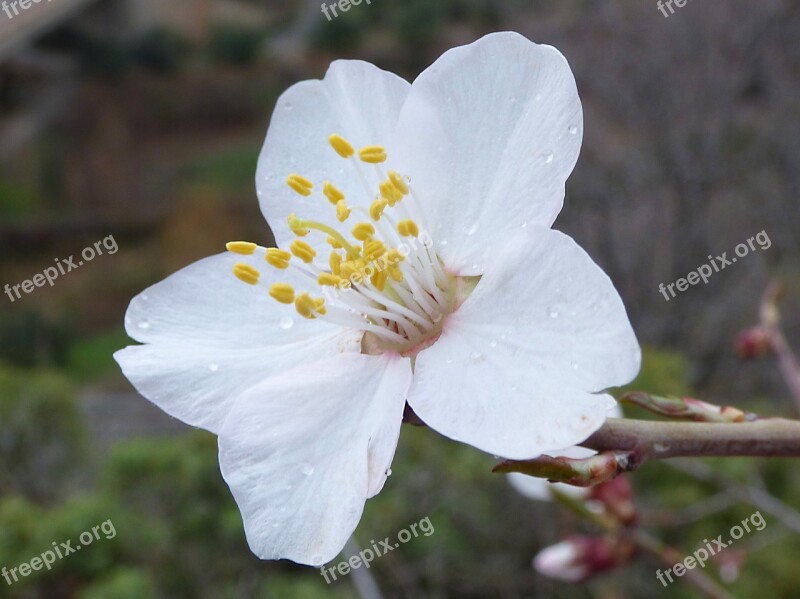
773 437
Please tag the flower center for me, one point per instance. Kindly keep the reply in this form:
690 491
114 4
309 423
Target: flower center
382 277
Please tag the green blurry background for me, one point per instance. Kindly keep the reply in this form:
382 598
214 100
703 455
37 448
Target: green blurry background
143 119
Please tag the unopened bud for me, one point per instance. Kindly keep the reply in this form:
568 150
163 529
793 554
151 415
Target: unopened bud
754 343
579 557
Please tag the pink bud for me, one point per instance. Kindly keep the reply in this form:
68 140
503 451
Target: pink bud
616 496
754 343
578 557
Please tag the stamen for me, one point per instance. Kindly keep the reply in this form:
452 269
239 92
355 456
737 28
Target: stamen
282 292
373 154
278 258
408 227
305 306
310 224
363 231
241 247
246 273
329 280
296 227
303 251
398 182
342 211
335 262
341 145
377 208
300 184
333 194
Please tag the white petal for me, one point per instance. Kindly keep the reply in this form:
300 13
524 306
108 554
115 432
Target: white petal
210 336
302 452
515 370
533 487
489 134
356 100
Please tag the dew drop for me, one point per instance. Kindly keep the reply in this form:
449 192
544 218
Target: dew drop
144 297
552 313
288 106
286 323
548 157
443 243
537 97
389 472
473 228
213 367
575 366
448 361
476 355
493 344
525 224
572 129
307 469
144 325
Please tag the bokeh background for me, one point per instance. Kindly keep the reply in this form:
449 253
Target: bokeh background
143 119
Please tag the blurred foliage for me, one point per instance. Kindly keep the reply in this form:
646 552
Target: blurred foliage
41 433
91 359
161 50
233 44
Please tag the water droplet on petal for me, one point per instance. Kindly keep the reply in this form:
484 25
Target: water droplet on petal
213 367
476 355
575 366
547 157
389 472
144 297
473 228
448 361
443 243
288 106
493 344
537 97
525 224
552 313
144 325
573 129
307 469
286 323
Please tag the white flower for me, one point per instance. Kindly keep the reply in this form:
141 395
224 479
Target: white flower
497 331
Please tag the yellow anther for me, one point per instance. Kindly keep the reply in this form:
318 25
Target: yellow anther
335 262
300 184
348 269
278 258
390 192
282 292
320 304
334 243
374 249
396 274
246 273
407 227
372 154
377 208
332 193
395 256
295 226
341 145
241 247
328 280
363 231
342 211
398 182
379 280
305 306
303 251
